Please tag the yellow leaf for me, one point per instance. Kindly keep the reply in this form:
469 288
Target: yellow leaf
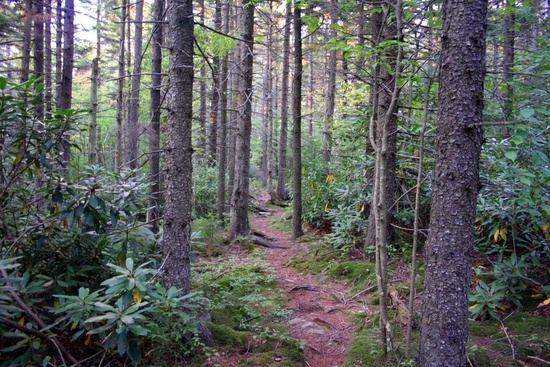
363 209
17 159
473 306
495 236
326 206
503 234
37 172
137 296
330 178
356 206
88 339
546 302
21 321
354 240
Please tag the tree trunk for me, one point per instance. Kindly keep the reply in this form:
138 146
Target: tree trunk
222 161
282 192
120 88
508 62
297 126
385 29
234 115
92 135
58 49
48 56
331 84
267 113
92 159
133 127
176 246
239 225
153 212
26 46
450 244
65 97
38 41
202 110
215 96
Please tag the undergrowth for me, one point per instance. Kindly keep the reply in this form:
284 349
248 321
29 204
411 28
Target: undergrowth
247 309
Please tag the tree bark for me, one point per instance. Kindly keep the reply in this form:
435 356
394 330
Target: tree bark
176 246
133 127
38 41
119 144
93 133
282 192
202 110
508 62
215 96
267 113
239 225
297 126
48 56
58 49
450 245
27 38
153 212
66 92
385 29
331 84
222 154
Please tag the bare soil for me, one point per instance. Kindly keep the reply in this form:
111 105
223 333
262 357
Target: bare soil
318 304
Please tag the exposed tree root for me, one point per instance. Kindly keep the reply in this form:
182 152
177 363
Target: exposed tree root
263 242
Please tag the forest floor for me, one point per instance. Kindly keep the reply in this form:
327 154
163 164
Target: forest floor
318 304
332 314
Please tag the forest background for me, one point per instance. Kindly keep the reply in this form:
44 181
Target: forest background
86 135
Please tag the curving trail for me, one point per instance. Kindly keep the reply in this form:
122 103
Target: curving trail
318 305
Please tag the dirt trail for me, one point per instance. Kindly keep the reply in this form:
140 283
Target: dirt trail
318 305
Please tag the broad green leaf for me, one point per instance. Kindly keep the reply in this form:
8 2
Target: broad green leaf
511 155
525 180
527 112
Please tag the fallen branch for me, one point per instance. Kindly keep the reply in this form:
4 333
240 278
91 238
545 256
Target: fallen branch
539 359
305 287
263 235
325 322
512 347
262 242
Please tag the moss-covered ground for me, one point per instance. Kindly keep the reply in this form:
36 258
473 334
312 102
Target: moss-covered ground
248 309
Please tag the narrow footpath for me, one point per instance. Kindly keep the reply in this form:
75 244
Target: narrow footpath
318 304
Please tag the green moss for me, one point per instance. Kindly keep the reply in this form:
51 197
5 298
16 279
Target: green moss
226 336
530 333
364 350
483 329
478 356
282 224
355 272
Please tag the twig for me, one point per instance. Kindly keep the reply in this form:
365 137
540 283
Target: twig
60 349
36 319
539 359
360 293
505 329
325 322
305 287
